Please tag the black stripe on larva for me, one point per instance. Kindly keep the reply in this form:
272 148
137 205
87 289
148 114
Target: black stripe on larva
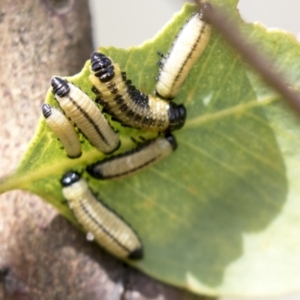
47 111
112 87
96 173
124 107
130 114
104 229
192 49
119 99
72 177
169 80
60 86
126 104
138 253
63 129
95 91
138 97
91 121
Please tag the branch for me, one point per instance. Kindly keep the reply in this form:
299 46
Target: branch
250 53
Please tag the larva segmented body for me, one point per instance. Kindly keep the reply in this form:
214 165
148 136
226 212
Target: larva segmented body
187 47
108 229
63 129
133 161
86 115
128 105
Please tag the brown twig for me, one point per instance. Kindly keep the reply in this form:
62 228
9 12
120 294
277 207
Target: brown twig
260 63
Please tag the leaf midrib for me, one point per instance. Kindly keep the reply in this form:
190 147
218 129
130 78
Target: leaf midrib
232 111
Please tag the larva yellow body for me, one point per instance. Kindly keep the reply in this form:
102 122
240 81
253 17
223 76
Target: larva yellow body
63 129
108 229
128 105
133 161
187 47
86 115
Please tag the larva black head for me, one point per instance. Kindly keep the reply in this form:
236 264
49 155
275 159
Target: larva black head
171 139
70 178
99 61
46 109
204 9
102 67
177 115
136 254
94 171
60 86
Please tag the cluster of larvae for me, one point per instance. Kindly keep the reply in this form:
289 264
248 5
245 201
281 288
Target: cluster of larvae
130 107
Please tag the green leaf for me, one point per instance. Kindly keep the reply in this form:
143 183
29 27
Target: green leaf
222 214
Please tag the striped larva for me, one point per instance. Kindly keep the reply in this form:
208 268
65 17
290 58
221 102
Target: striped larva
133 161
128 105
63 129
107 228
187 47
86 115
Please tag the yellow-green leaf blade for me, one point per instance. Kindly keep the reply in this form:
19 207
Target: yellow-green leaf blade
220 215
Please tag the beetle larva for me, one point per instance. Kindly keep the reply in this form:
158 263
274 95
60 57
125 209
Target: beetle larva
108 229
86 115
63 129
187 47
128 105
133 161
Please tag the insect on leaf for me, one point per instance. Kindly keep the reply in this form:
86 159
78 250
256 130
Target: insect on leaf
220 215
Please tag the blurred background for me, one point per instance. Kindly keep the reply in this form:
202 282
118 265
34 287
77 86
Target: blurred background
141 20
136 25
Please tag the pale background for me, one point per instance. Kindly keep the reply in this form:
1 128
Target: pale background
126 23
